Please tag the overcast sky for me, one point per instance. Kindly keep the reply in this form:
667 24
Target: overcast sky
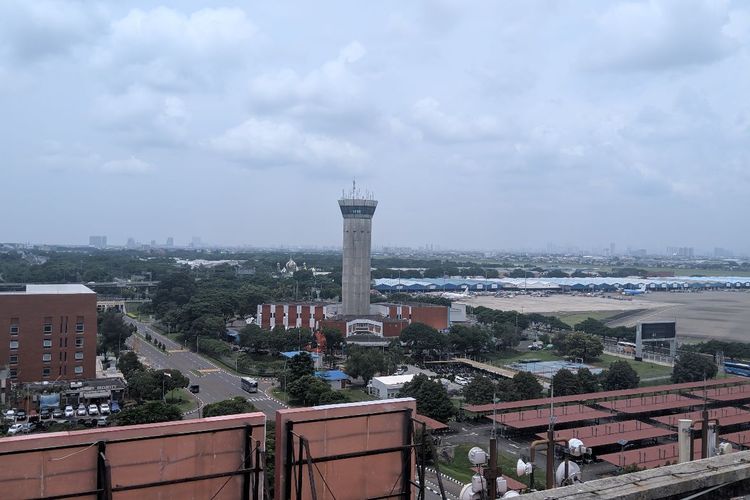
488 125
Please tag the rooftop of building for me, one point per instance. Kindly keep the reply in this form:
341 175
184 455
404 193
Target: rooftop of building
50 289
332 375
395 379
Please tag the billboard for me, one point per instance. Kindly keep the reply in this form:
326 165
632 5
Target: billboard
661 330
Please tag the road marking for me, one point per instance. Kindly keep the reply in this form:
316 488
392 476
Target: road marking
171 351
208 370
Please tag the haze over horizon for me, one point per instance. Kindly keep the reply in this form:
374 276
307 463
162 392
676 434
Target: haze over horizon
486 125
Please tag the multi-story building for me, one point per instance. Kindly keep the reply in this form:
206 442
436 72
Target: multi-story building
49 333
98 241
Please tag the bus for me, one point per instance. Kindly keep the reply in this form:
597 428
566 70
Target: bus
737 368
626 347
249 384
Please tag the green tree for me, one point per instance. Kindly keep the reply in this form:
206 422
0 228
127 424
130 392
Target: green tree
148 413
128 363
143 385
334 339
565 383
432 398
525 386
581 345
469 339
311 391
506 335
479 391
693 367
233 406
364 362
112 331
172 379
587 381
620 375
205 326
423 340
252 337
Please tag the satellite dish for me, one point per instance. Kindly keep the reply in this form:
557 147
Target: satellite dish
725 448
574 473
477 456
468 494
576 447
523 469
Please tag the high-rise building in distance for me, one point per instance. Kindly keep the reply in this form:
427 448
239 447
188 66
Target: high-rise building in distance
170 242
357 210
98 241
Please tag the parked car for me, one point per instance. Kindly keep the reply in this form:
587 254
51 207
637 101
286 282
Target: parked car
104 409
69 411
10 415
81 411
14 429
45 414
93 409
115 407
28 427
20 415
102 422
57 413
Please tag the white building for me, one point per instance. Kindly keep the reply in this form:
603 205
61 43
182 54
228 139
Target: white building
388 387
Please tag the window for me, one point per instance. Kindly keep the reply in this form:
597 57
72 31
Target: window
14 344
47 327
79 324
46 343
79 355
13 359
13 373
47 357
14 326
79 342
79 369
45 372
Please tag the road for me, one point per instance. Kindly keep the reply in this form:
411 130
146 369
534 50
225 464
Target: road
216 384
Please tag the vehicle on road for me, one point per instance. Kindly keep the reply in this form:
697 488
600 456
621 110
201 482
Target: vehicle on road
737 368
249 384
194 388
93 410
104 409
14 429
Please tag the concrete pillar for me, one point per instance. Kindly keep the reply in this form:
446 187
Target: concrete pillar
683 439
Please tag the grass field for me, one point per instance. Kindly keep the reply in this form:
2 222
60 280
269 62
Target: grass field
183 398
573 319
353 395
461 469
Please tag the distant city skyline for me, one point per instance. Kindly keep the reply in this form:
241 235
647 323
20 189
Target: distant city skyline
485 125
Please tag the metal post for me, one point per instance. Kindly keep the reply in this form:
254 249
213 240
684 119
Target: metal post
492 473
103 479
550 469
246 461
300 450
289 460
704 434
406 455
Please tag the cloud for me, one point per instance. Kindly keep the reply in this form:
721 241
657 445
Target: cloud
659 35
144 116
332 85
165 48
427 115
264 143
128 166
33 31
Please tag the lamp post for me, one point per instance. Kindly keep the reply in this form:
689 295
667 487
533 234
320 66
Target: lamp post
163 379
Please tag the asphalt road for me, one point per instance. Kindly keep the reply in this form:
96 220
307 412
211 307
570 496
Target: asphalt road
216 384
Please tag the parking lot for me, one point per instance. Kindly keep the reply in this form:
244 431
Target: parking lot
19 421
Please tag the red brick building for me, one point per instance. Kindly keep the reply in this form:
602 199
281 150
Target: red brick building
49 333
385 320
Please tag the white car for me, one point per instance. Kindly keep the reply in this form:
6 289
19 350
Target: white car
104 409
10 415
81 411
93 410
14 429
69 412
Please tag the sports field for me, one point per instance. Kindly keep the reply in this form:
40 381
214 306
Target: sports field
712 314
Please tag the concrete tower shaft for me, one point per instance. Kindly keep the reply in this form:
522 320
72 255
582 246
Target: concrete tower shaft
357 211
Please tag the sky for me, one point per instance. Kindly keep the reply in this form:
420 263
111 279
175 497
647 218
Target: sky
477 125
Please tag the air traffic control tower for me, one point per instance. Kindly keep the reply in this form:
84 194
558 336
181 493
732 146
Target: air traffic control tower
357 209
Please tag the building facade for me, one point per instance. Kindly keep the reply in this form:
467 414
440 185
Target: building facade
50 333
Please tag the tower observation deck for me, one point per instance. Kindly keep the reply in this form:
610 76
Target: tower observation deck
357 209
